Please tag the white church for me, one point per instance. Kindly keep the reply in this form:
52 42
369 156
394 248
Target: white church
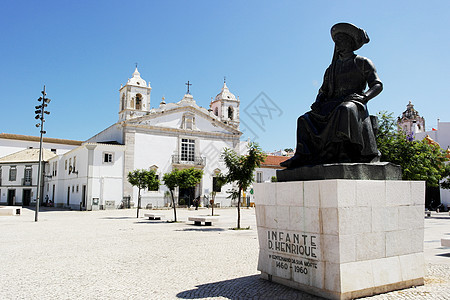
92 174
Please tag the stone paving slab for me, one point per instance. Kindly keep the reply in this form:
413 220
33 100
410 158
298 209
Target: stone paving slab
112 255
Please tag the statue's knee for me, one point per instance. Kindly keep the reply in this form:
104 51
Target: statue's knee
347 105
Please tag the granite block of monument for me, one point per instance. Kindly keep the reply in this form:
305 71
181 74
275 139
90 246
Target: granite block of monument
341 239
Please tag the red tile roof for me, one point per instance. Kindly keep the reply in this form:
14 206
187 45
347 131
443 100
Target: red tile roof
273 161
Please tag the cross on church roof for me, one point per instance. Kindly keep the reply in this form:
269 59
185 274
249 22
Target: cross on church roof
188 84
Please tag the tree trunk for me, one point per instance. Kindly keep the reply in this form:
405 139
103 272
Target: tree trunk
239 210
212 204
139 202
174 209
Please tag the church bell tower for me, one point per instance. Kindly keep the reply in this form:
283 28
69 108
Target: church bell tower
226 106
134 98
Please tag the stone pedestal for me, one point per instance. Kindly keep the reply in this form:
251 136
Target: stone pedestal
341 239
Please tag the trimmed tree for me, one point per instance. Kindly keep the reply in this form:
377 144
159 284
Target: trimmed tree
186 178
241 169
171 181
143 179
419 159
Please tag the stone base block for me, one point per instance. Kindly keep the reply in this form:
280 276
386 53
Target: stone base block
350 295
341 239
10 210
362 171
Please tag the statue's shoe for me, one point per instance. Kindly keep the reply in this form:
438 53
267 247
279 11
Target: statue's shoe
296 161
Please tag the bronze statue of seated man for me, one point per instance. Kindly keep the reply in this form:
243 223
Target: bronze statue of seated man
338 129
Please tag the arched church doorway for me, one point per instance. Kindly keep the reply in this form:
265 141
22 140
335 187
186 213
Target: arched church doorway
186 196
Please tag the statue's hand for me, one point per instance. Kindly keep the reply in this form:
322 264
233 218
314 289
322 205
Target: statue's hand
357 97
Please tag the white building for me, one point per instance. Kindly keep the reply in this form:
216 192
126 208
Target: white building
18 176
88 177
93 174
11 143
19 160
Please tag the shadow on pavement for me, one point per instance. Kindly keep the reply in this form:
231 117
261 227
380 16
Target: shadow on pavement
117 218
152 222
443 254
201 229
249 287
47 209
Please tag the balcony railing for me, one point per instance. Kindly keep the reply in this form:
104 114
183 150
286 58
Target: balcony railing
196 160
26 181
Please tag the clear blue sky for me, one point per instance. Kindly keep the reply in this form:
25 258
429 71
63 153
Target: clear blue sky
84 50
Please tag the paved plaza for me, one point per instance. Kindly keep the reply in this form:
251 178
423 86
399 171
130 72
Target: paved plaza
113 255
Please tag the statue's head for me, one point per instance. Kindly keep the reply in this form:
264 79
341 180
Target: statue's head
344 43
345 33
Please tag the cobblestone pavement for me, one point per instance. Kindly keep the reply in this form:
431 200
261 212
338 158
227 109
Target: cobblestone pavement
114 255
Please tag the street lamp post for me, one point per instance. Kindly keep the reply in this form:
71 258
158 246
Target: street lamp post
40 111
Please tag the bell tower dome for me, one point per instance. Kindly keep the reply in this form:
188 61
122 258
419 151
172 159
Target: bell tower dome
411 121
226 106
134 98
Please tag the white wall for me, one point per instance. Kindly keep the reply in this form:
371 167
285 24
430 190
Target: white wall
10 146
105 183
17 184
112 133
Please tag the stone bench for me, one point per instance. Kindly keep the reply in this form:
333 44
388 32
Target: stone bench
10 210
152 216
445 242
198 220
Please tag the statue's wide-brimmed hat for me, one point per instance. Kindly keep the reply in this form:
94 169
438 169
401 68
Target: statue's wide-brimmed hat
359 35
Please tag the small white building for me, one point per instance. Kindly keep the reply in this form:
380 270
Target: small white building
19 176
269 168
88 177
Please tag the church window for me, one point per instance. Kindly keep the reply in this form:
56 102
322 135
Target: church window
216 111
187 150
138 101
230 113
12 173
108 157
188 121
216 187
0 175
65 165
123 101
74 162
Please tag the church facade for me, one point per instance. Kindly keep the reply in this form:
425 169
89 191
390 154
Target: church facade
171 135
